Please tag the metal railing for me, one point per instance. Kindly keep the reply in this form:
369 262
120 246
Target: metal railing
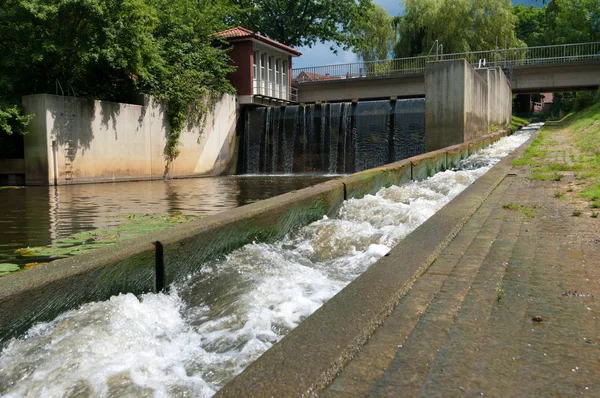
510 57
275 90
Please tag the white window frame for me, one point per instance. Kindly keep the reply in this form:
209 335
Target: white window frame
284 79
255 71
263 73
278 78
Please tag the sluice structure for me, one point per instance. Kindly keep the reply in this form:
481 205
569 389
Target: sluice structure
332 138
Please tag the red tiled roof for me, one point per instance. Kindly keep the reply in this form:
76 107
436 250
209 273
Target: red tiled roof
309 76
242 33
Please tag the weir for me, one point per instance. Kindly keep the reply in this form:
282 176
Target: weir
211 303
337 138
243 279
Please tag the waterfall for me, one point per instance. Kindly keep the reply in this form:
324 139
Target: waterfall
331 138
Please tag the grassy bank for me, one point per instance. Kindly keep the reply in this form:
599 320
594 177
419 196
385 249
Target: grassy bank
569 148
517 122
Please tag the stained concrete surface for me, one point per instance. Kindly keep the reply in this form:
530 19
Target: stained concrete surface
510 308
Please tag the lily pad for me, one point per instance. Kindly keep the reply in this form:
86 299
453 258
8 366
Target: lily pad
7 268
133 225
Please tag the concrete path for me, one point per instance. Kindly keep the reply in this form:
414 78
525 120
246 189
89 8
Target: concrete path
510 307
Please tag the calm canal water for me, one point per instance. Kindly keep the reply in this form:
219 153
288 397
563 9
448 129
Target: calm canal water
37 216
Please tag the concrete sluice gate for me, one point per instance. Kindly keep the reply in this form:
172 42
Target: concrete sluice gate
231 309
332 138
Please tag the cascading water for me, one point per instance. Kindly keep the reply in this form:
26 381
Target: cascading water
210 327
332 138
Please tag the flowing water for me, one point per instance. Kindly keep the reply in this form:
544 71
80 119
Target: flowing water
332 138
211 326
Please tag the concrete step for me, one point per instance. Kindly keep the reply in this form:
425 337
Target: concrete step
397 356
464 355
553 273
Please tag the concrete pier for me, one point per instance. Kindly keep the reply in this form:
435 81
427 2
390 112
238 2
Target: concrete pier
463 103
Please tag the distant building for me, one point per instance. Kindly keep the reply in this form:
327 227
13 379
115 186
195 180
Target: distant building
313 77
264 68
545 104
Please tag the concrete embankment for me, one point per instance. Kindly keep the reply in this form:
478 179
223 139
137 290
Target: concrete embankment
310 356
129 267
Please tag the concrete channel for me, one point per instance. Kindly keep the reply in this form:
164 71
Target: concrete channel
306 360
335 331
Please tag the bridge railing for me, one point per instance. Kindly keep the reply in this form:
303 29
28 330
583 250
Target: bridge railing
390 67
555 54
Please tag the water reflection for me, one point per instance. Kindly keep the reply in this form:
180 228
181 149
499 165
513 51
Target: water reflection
36 216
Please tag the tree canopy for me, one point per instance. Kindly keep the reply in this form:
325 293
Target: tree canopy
558 22
530 25
119 49
460 25
113 50
305 22
378 35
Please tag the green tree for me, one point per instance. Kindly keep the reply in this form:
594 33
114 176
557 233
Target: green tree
305 22
192 70
378 34
574 21
114 50
530 25
460 25
97 46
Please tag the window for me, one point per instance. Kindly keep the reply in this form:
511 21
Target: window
263 61
255 72
271 81
278 78
284 80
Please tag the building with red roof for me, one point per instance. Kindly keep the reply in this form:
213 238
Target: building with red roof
263 73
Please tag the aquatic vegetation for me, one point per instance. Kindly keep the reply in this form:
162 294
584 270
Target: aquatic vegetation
7 268
133 225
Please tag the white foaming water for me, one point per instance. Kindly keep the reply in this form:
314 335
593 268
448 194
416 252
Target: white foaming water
209 328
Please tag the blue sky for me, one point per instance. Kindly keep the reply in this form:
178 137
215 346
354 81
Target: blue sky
320 54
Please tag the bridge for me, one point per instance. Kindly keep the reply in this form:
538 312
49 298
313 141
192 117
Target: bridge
564 67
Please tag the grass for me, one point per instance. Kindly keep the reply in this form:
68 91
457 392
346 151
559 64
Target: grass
547 163
499 292
558 194
576 213
517 122
527 211
546 177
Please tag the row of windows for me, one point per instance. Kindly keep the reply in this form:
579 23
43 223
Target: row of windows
270 75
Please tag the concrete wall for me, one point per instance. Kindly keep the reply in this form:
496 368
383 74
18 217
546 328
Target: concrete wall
571 76
475 104
78 141
462 103
408 86
499 95
41 293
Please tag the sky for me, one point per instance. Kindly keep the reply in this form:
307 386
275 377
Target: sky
320 54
